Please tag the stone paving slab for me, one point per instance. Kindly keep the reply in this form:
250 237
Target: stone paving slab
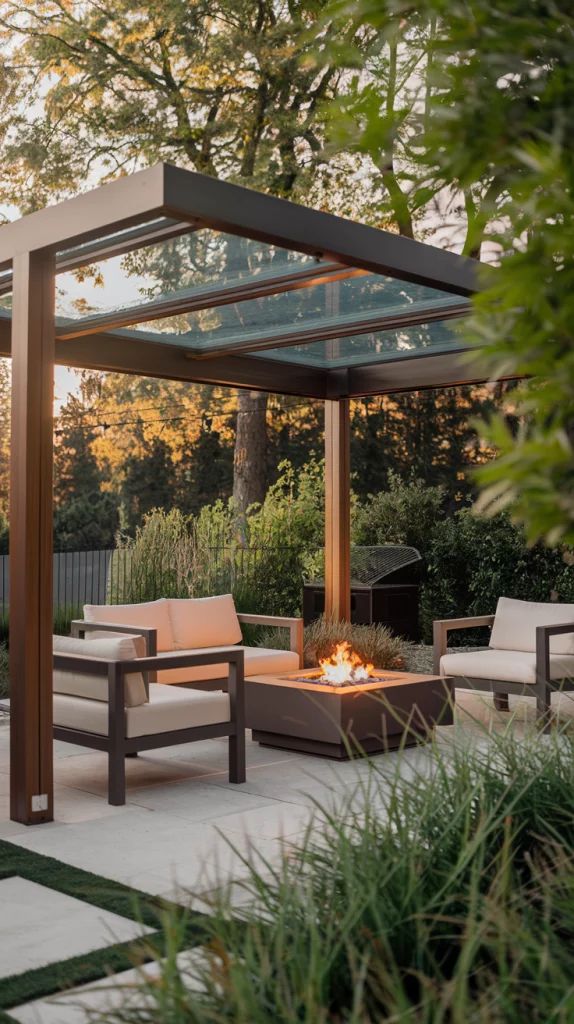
39 926
82 1005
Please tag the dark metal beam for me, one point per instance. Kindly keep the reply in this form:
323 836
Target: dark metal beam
123 203
242 211
122 354
207 298
415 373
116 245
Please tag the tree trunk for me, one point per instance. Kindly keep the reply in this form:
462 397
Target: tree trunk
250 455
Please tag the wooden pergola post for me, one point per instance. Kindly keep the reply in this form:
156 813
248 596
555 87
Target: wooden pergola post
33 343
337 509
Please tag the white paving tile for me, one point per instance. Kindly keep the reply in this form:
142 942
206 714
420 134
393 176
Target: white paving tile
83 1005
39 926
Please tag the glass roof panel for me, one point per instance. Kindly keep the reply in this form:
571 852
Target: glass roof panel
215 292
175 269
376 347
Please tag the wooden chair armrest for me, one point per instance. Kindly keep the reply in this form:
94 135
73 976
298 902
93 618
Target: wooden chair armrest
79 628
294 625
543 634
442 627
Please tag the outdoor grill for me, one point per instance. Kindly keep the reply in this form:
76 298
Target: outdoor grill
385 584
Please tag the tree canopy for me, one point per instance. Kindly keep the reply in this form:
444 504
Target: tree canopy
500 120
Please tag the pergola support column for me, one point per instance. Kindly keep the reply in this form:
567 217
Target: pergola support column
33 345
337 509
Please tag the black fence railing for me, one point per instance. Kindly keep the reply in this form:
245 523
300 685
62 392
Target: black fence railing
260 577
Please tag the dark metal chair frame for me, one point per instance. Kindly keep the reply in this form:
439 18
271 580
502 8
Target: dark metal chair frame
118 746
80 627
543 687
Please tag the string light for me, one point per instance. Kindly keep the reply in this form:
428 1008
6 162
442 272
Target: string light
205 419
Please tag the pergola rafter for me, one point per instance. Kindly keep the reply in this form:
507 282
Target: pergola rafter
326 346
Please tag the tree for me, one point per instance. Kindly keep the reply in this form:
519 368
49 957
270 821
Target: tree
385 113
85 516
427 435
501 123
148 484
98 89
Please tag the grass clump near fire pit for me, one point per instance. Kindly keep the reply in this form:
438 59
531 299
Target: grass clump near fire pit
446 897
374 644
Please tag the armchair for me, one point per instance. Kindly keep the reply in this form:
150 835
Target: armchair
102 701
531 652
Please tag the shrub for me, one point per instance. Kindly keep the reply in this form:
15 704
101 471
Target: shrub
374 644
446 897
4 673
155 563
259 558
406 513
474 560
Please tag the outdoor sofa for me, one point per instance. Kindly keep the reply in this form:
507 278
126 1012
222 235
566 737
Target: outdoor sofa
205 625
104 700
531 651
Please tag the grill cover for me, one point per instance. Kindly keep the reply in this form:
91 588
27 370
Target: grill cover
370 565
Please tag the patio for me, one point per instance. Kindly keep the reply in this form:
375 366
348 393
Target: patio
184 832
300 302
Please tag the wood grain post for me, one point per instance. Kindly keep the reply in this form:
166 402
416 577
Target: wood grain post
337 509
33 341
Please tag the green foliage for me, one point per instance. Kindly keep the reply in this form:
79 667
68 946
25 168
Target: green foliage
406 513
4 672
155 563
495 131
85 517
259 558
426 435
148 483
443 896
374 643
4 534
473 560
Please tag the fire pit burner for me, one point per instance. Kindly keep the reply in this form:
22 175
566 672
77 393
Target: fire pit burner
317 677
342 668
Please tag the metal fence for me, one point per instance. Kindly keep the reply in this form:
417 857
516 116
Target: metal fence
80 577
110 577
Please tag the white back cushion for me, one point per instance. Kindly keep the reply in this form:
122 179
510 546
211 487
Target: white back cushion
84 683
204 622
515 625
150 614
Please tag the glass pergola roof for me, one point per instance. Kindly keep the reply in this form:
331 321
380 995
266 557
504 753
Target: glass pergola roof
237 286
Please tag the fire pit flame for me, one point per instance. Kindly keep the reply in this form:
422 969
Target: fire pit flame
344 666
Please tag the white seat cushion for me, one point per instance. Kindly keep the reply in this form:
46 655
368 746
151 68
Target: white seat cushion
258 661
515 625
149 614
204 622
168 710
511 666
85 684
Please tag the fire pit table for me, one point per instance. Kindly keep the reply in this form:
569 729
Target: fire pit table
293 711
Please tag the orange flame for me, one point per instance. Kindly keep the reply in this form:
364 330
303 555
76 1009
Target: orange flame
344 666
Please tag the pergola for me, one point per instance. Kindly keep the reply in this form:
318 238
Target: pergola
277 298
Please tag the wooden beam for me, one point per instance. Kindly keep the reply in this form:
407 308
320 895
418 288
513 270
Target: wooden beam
33 340
337 509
